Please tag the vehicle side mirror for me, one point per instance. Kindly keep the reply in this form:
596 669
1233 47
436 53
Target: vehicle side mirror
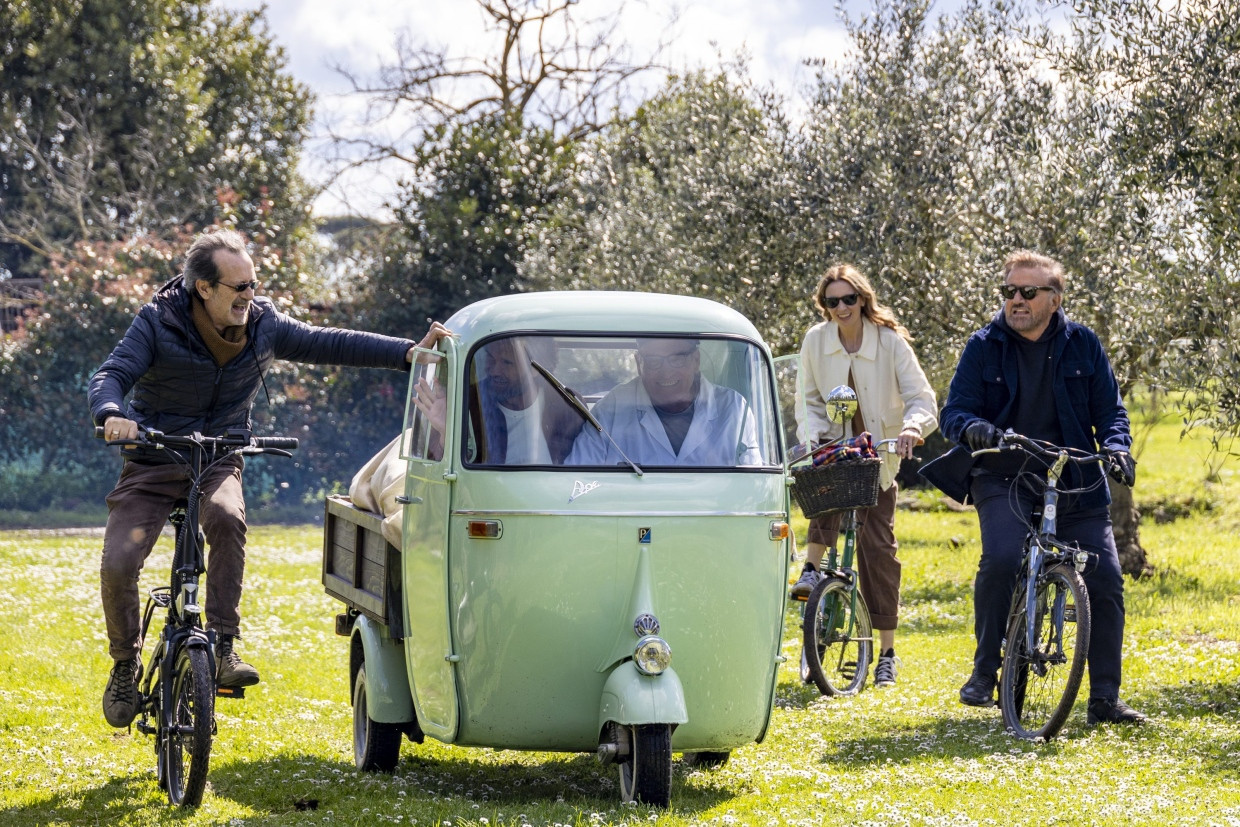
841 404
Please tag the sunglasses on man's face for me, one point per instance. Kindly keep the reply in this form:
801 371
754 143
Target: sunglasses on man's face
1009 291
834 301
242 287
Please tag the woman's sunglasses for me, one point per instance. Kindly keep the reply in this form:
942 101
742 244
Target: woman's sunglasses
1009 291
834 301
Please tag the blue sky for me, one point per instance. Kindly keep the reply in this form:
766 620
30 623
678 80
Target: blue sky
776 35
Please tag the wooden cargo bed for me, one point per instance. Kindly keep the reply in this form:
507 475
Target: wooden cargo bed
360 567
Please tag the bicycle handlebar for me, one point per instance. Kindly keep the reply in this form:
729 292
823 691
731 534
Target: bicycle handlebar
240 440
1009 440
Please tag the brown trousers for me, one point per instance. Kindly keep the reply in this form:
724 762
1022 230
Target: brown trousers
138 507
877 564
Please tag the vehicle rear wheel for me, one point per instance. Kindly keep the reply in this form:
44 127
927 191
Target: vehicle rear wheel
646 774
838 640
376 746
1038 687
186 747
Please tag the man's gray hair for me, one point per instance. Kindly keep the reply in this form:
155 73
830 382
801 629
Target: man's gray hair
200 260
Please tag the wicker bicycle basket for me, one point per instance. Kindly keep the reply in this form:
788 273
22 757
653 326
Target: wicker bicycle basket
836 486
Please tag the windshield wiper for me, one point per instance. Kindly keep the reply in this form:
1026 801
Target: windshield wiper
580 407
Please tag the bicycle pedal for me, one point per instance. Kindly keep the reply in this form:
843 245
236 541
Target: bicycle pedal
230 691
799 598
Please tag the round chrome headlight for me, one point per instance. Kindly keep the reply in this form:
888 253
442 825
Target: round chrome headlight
652 655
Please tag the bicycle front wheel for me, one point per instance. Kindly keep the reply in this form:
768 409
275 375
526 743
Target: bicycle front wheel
838 638
1039 684
186 746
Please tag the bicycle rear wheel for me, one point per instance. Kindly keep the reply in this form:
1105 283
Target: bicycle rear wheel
186 747
838 639
1039 685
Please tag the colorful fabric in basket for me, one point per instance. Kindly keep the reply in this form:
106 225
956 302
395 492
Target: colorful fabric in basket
859 447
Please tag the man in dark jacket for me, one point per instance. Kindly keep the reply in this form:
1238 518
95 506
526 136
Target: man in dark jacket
524 421
194 359
1035 372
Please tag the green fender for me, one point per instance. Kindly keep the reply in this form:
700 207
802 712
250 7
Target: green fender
388 697
630 698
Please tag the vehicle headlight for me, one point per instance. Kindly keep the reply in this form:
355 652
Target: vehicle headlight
652 655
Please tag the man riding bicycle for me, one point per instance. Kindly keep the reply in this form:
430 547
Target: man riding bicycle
1041 375
194 359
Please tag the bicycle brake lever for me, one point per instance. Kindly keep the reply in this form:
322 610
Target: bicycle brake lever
253 450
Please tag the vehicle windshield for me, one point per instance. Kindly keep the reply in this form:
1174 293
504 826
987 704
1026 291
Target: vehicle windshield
670 402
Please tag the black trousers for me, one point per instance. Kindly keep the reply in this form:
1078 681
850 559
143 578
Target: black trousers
1004 515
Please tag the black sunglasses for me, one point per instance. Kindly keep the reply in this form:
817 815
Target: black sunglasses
834 301
1009 291
242 287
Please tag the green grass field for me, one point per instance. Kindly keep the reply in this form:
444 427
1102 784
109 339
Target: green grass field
911 755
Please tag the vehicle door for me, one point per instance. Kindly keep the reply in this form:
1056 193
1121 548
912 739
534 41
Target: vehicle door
429 437
790 401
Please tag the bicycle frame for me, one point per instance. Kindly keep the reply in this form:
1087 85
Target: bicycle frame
841 566
1038 656
183 624
1037 553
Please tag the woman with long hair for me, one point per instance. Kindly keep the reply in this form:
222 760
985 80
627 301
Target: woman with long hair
860 343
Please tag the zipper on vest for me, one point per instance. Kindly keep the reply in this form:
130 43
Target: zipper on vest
215 393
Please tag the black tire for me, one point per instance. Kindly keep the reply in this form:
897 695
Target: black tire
838 640
1038 688
376 746
646 774
186 747
708 759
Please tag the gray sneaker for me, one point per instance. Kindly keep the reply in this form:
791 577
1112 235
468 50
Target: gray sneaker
121 699
809 578
886 668
231 670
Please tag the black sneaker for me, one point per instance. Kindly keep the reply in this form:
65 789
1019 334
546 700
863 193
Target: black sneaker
886 668
805 584
979 690
231 671
121 699
1112 711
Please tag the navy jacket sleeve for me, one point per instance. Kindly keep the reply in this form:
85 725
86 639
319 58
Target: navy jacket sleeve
299 342
123 367
966 394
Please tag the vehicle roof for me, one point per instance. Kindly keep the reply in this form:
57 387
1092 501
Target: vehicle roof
597 311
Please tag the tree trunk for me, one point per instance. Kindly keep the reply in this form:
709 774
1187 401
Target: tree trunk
1125 521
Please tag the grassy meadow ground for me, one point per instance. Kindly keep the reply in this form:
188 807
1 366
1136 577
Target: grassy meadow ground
911 755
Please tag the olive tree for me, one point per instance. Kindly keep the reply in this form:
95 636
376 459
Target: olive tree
1163 76
696 194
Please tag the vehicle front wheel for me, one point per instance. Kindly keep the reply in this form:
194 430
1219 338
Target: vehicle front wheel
646 774
376 746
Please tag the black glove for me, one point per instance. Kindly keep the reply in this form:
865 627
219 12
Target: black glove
1122 467
980 434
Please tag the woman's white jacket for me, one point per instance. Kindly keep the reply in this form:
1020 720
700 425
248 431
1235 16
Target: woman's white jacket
892 389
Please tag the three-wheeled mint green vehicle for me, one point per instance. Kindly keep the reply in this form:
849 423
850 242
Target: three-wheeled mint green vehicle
594 545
